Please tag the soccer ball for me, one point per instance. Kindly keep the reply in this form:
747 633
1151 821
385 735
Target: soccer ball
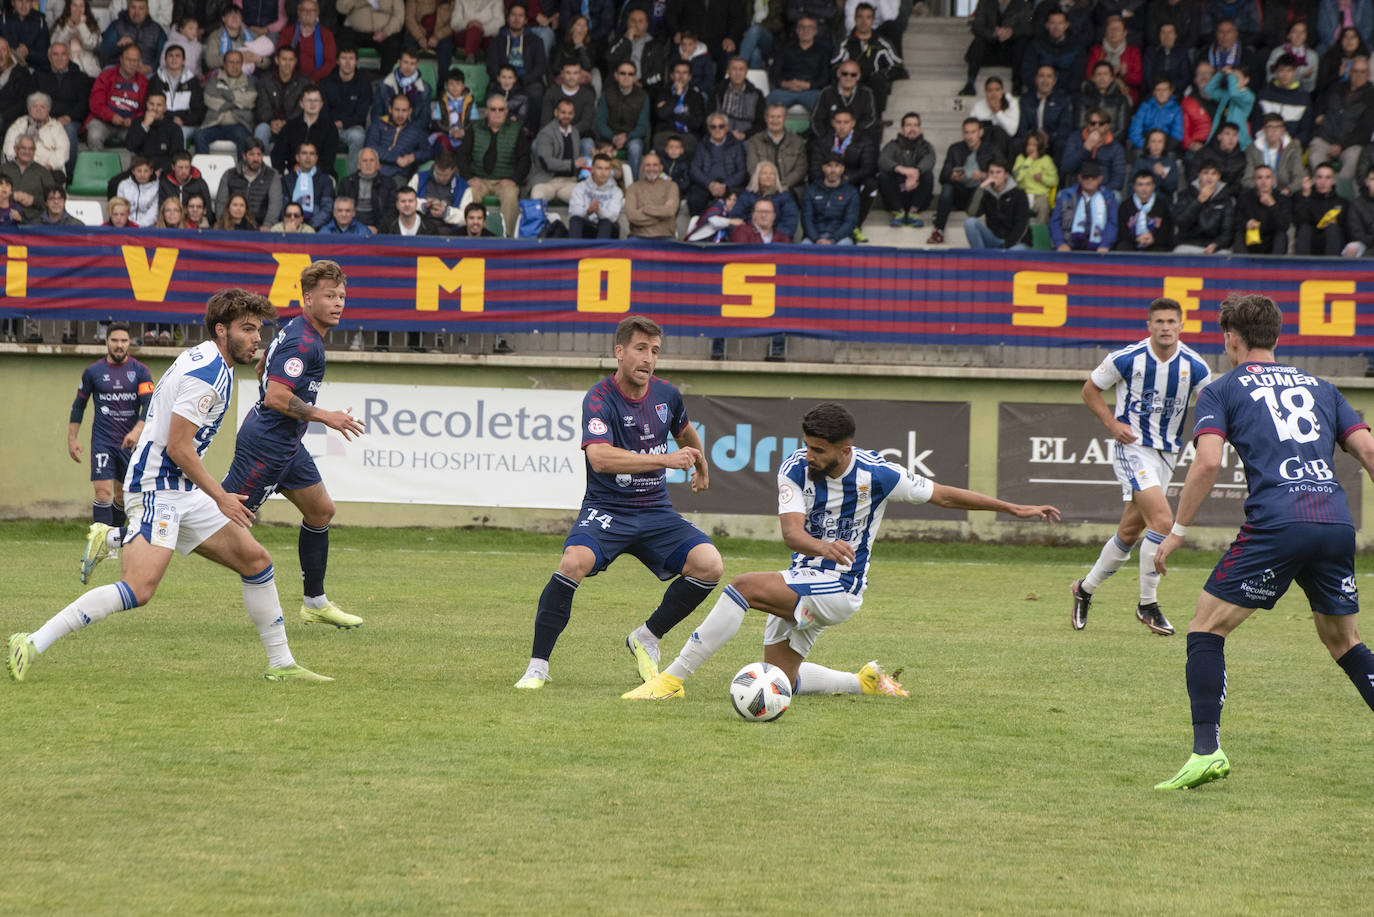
760 692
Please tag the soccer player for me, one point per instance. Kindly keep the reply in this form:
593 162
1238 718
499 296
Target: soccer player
122 388
269 454
1154 380
184 508
831 499
1285 425
626 421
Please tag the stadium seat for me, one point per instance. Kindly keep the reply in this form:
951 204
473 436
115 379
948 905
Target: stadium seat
798 124
760 79
89 212
1345 188
224 146
496 224
369 59
475 75
212 167
1040 238
341 166
93 173
429 72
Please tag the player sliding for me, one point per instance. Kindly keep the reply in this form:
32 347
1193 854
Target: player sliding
269 454
1284 424
1154 381
184 507
626 422
831 498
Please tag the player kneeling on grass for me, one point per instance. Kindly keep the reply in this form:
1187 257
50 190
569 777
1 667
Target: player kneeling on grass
831 498
184 507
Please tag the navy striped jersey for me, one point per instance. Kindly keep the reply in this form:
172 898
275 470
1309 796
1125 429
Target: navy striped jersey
1151 394
636 425
1284 425
848 508
196 387
121 392
295 358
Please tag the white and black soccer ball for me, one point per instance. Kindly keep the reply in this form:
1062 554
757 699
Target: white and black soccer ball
760 692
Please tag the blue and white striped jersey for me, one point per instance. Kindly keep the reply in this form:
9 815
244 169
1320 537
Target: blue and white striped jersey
1151 394
848 508
195 387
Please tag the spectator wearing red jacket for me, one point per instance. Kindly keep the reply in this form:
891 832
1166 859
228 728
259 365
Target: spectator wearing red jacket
316 52
1125 59
760 228
117 99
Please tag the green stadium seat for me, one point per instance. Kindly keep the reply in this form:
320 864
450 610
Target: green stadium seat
1040 238
798 125
341 166
93 173
496 224
1346 188
429 72
475 75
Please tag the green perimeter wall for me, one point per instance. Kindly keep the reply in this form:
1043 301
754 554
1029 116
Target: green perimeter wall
40 481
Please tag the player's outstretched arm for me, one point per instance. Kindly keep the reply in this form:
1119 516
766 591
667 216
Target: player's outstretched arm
608 459
794 535
283 400
690 438
958 498
181 448
1201 476
1092 397
1360 444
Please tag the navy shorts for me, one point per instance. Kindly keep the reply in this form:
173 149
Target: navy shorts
657 535
109 463
1261 564
257 477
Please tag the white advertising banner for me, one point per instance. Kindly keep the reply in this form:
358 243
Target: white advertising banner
448 446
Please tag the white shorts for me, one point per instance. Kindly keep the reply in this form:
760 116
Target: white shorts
821 602
177 519
1140 468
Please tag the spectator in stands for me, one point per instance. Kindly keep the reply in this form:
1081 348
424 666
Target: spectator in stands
186 34
764 185
906 173
719 164
230 101
314 45
965 167
1273 147
1078 16
181 90
70 91
1335 15
309 186
156 135
762 227
343 223
170 214
857 150
1243 17
575 47
1204 216
1230 89
475 227
1053 47
29 181
1334 67
452 112
348 101
1145 222
77 30
1359 222
1262 217
1047 109
1037 175
622 116
1345 122
1305 60
507 86
1157 159
739 100
765 27
513 46
1168 59
1183 15
828 15
197 212
719 27
596 204
140 190
636 45
232 35
679 109
264 18
279 96
1317 215
116 100
292 221
1097 143
55 212
581 95
443 182
1123 58
1084 217
497 161
846 93
601 17
1000 216
775 144
404 80
474 23
408 220
235 215
652 201
309 126
1159 112
1198 109
373 194
1000 114
52 146
1226 49
24 27
1001 31
677 165
801 68
830 208
554 160
373 24
11 214
1104 91
1225 153
1285 96
183 180
116 211
256 181
438 209
879 63
402 143
134 28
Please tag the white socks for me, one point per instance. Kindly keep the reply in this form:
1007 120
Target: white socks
647 639
711 634
817 679
1114 554
316 601
1149 579
260 598
93 606
538 668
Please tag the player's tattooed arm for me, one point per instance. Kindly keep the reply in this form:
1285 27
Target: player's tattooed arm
298 409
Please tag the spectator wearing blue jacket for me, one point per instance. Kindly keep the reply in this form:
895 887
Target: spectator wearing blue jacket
720 163
1230 89
830 208
1084 217
344 223
1160 111
1047 108
134 26
26 29
1095 143
401 143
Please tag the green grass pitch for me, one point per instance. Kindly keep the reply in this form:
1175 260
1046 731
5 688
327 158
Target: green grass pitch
147 768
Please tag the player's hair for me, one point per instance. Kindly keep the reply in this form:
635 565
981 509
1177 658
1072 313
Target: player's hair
632 324
1164 303
830 421
320 271
1253 317
117 326
228 306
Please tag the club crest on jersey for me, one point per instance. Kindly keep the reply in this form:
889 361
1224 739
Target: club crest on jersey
131 374
662 411
294 367
596 426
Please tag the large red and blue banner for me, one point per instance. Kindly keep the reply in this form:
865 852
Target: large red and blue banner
859 294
